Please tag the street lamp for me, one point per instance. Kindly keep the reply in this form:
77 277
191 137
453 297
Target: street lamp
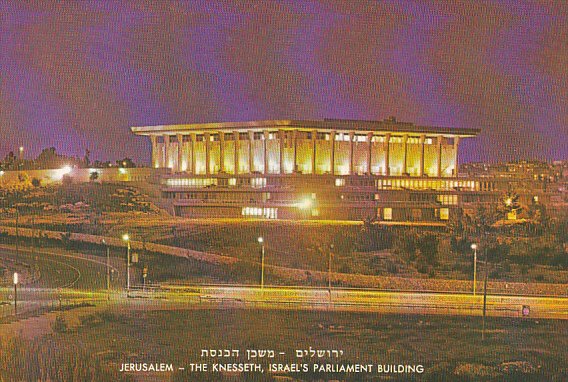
126 238
107 267
261 242
329 270
474 247
15 293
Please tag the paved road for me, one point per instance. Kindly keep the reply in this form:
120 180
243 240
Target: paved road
51 278
68 278
299 298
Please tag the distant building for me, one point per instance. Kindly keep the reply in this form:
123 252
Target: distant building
534 182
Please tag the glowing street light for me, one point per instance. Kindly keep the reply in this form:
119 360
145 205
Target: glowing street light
126 238
474 247
261 242
305 204
16 293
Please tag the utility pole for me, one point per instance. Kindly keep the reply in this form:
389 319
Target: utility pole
15 293
107 248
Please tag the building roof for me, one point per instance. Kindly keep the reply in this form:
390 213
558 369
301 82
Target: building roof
390 125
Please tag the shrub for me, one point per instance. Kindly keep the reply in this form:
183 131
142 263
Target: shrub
59 325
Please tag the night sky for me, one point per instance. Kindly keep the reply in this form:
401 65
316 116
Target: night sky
77 75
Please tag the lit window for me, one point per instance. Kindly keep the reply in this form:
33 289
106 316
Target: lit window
387 213
444 213
258 182
339 182
266 212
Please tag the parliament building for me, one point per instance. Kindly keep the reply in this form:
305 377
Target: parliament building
333 169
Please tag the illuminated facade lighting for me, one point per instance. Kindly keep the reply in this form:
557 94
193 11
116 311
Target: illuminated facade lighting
265 169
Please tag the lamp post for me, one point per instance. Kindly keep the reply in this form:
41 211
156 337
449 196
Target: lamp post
474 247
329 270
15 293
261 242
17 232
126 238
107 268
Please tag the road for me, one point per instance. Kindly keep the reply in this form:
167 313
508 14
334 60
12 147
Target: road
51 278
66 278
357 300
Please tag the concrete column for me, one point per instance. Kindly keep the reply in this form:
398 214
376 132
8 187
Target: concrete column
456 163
405 157
439 170
294 143
154 141
370 152
236 159
351 143
281 134
387 153
179 138
314 136
207 138
265 150
251 152
421 168
192 153
332 156
166 150
221 151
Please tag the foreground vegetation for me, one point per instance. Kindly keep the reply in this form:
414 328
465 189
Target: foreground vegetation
519 253
450 348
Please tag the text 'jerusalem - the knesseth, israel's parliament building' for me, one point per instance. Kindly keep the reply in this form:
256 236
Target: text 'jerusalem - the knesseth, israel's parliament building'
330 169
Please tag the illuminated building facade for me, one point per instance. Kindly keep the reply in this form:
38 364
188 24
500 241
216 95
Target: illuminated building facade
330 169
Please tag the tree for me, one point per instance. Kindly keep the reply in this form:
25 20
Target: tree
428 247
126 163
510 206
538 218
94 176
66 180
456 222
49 158
86 159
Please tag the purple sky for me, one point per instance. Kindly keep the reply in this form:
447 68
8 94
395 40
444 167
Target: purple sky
77 75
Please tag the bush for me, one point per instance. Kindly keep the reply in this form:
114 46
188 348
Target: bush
60 325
